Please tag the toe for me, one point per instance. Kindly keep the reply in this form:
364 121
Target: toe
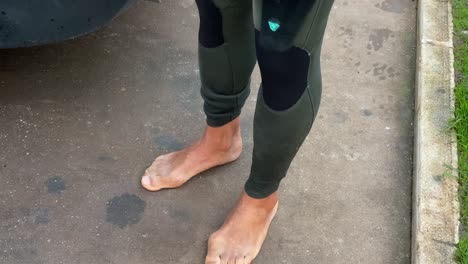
240 260
248 260
149 183
212 259
225 260
232 260
213 256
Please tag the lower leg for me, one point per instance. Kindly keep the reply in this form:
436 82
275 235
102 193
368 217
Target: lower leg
277 137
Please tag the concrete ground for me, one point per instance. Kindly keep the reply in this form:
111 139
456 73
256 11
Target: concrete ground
81 120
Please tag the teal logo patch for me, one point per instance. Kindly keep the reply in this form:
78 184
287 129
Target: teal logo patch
274 25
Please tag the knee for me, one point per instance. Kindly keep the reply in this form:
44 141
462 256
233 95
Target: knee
284 75
210 34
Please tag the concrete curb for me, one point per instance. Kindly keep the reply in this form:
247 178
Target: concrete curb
435 198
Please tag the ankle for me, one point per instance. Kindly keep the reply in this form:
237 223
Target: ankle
268 203
225 137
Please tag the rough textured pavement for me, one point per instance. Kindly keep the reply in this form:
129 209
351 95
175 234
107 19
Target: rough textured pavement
80 121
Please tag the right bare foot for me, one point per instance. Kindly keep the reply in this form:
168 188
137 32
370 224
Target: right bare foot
218 146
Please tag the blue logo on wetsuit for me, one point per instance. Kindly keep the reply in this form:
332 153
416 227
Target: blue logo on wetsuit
274 24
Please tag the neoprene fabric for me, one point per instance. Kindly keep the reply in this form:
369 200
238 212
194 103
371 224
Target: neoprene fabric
288 41
281 20
225 69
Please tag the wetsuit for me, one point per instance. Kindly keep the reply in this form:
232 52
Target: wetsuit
285 36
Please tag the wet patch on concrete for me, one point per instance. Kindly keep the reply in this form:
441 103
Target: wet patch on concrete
366 112
406 112
378 37
124 210
19 250
168 143
340 117
55 185
438 178
391 72
404 146
187 89
348 35
42 216
393 6
180 215
441 91
383 71
105 158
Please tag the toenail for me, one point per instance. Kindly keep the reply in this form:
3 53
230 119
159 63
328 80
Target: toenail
146 180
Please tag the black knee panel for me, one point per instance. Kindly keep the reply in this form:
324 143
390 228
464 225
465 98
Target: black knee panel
210 33
284 75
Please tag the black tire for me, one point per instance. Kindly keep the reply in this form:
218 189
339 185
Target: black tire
26 23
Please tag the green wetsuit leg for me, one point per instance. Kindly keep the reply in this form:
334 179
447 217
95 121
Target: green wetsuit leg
226 68
279 134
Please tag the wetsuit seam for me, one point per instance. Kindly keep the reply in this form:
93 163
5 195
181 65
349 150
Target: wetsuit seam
232 78
312 24
314 110
227 51
311 103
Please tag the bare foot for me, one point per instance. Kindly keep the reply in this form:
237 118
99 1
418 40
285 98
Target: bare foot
218 146
240 238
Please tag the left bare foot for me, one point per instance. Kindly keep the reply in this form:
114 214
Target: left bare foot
218 146
240 238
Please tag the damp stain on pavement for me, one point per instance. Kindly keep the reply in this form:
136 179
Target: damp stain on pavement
125 210
55 185
378 37
393 6
42 216
168 143
366 112
105 158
